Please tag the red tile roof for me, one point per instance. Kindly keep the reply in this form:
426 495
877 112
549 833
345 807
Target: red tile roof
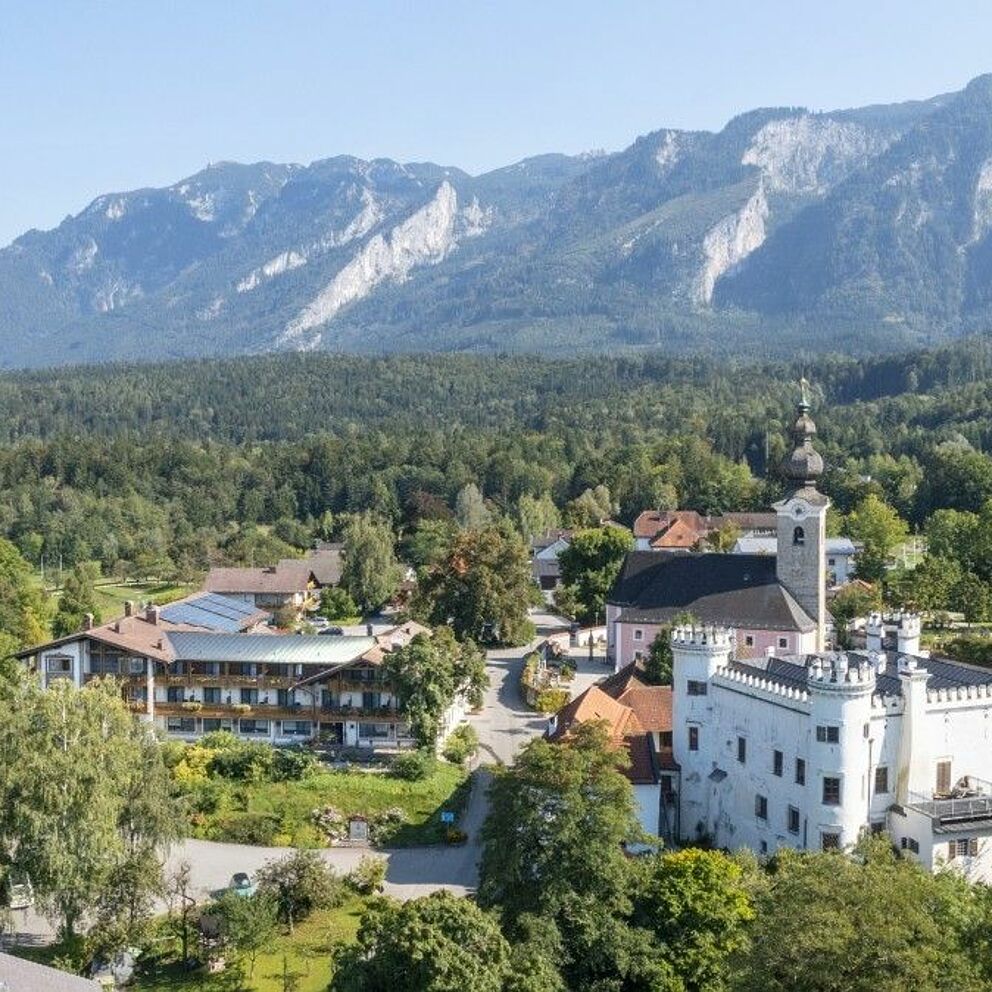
633 711
289 577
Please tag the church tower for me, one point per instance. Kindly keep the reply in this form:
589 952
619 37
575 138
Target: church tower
802 523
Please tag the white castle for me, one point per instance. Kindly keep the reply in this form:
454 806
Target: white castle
810 752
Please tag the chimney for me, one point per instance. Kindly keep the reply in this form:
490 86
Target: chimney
151 614
874 632
908 629
88 621
129 607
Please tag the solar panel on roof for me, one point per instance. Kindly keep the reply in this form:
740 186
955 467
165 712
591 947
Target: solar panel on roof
210 611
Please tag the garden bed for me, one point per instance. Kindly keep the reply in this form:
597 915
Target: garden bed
401 813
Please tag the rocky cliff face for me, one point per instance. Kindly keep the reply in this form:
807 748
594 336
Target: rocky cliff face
810 154
424 238
730 241
877 219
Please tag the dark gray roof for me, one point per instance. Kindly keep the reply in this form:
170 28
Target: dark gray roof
19 975
298 649
212 611
791 672
733 590
944 674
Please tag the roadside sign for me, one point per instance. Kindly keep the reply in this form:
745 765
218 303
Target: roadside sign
447 816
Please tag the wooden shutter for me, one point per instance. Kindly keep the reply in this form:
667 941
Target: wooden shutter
943 776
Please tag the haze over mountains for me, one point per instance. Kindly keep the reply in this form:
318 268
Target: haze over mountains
855 230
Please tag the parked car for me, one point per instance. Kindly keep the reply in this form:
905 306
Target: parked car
20 892
318 622
242 884
336 631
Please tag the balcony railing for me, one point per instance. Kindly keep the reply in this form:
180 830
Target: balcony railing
270 711
233 681
970 799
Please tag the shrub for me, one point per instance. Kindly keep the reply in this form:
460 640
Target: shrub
567 672
248 828
194 768
331 822
384 826
455 836
248 762
414 765
300 883
551 700
368 876
292 765
219 740
970 648
462 743
337 604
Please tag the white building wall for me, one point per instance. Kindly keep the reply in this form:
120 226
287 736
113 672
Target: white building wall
719 792
766 725
647 799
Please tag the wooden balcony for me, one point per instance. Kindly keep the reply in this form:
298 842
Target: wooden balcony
229 681
267 711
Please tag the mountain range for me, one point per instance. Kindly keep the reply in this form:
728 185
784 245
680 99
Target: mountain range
855 230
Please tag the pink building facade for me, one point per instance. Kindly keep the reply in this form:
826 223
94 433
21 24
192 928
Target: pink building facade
631 640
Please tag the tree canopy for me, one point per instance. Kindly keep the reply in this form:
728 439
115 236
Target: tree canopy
482 587
84 797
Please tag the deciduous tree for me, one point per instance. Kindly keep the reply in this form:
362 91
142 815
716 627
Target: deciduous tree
83 795
482 587
590 565
439 943
557 824
298 884
878 528
370 572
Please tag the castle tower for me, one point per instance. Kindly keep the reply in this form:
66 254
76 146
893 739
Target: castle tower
840 690
802 523
697 654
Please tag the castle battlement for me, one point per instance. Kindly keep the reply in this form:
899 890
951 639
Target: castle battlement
760 684
838 670
707 638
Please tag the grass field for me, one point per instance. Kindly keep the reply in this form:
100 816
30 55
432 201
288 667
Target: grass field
280 812
111 597
307 954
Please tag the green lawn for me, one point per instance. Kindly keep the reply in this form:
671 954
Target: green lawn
280 812
111 597
307 952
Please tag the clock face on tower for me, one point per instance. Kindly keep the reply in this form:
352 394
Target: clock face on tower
798 511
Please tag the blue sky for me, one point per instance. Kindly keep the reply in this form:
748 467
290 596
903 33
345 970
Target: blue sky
103 96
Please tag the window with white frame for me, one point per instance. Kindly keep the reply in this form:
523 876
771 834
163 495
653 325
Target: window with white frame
58 664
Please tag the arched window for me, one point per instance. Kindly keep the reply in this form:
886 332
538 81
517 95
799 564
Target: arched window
799 537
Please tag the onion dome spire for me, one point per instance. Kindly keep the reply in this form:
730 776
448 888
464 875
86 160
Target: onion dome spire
804 466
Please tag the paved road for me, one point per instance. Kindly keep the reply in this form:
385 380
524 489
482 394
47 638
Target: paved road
410 872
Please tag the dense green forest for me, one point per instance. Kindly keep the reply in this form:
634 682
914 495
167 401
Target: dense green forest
155 470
